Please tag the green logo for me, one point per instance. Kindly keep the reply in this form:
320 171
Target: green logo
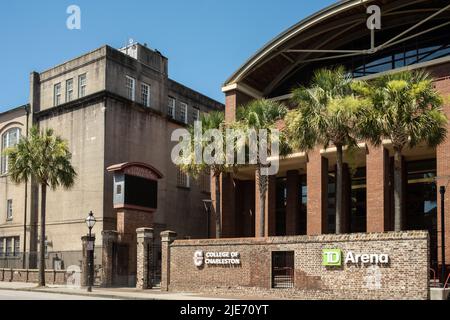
332 257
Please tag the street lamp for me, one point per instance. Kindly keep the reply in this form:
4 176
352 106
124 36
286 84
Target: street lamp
90 222
442 192
208 204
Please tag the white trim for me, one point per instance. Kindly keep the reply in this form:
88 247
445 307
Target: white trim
244 89
330 150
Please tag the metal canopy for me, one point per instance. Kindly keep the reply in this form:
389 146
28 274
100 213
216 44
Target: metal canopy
325 35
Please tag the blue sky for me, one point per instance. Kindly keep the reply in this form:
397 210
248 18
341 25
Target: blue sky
205 40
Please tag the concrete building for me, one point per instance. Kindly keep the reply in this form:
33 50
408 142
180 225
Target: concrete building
117 110
300 199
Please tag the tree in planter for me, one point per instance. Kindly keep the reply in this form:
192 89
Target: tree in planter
45 159
327 112
258 115
194 166
407 110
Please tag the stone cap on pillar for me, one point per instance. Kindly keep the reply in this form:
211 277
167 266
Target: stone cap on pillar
110 235
144 232
168 236
86 238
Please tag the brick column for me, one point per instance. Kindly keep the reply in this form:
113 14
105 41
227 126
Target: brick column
270 207
234 99
167 237
228 202
85 259
144 254
347 205
317 203
377 186
109 238
293 202
443 169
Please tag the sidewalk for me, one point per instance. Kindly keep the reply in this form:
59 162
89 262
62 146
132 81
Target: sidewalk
112 293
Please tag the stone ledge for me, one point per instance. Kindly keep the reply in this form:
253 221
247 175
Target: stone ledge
326 238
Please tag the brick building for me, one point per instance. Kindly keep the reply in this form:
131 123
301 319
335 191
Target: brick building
300 199
117 110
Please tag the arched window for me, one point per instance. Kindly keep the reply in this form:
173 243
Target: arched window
9 139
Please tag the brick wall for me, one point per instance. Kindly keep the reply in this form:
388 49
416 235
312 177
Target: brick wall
32 275
405 277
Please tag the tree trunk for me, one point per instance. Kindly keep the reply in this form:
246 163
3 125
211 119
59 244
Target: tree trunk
339 188
398 190
262 181
42 237
218 208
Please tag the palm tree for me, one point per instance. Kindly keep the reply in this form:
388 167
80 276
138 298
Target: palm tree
45 159
407 110
211 121
261 114
327 113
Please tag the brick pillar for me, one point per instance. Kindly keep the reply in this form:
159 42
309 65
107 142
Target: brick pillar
377 186
228 202
293 202
85 266
233 100
317 203
347 205
270 207
167 237
443 169
144 254
109 239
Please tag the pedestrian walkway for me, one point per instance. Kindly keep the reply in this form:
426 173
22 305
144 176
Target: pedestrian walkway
114 293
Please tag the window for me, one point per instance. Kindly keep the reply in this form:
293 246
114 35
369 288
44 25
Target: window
171 107
16 246
2 247
57 94
69 90
195 114
119 189
145 94
82 82
9 247
9 139
131 87
182 179
9 209
183 112
205 182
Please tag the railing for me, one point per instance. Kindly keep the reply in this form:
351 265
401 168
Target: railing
447 281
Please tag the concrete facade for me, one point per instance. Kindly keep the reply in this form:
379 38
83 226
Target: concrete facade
104 127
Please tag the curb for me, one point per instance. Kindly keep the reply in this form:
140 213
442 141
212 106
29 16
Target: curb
92 295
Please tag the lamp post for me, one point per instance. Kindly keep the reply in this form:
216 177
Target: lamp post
90 222
442 192
208 203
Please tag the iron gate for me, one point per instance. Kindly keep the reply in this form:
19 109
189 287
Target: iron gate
154 264
283 269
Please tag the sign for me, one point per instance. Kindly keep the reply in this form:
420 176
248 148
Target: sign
216 258
333 257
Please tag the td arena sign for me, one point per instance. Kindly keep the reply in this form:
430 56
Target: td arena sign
216 258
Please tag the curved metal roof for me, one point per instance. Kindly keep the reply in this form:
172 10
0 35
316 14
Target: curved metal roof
332 28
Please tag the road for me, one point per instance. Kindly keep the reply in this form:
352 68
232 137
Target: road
28 295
